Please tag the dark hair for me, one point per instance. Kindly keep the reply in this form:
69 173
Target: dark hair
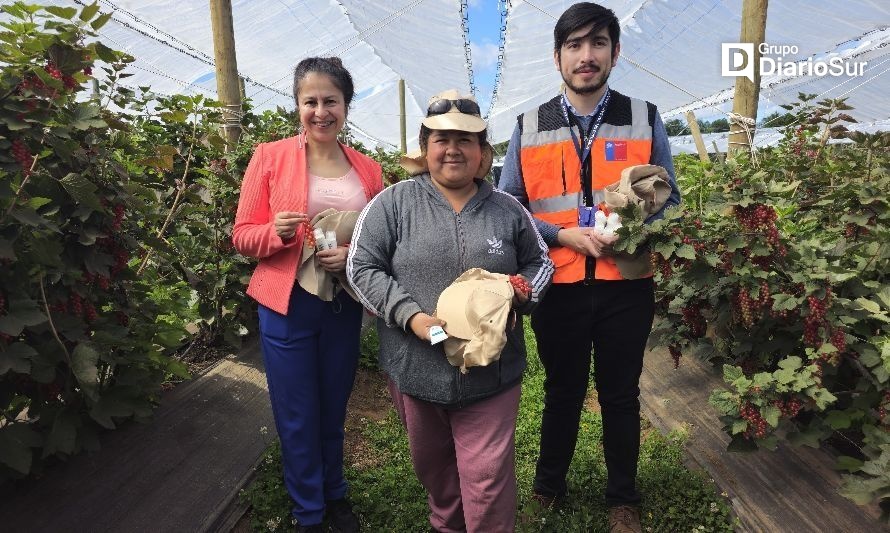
329 66
582 14
425 133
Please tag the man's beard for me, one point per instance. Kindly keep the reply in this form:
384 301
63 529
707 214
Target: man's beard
588 89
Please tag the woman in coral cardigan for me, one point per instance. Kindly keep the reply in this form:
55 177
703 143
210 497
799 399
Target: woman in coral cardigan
310 346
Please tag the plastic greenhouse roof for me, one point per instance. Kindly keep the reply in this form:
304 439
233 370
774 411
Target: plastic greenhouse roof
670 52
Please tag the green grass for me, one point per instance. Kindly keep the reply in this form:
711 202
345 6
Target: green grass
388 497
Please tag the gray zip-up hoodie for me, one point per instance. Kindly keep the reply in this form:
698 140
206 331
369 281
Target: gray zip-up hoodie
409 245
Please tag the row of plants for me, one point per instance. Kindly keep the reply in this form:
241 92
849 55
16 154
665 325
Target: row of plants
775 268
116 209
388 497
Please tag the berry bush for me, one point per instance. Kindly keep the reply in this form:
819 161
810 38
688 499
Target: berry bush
116 210
80 347
776 268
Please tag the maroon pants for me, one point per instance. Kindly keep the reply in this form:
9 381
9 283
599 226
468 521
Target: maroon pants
464 458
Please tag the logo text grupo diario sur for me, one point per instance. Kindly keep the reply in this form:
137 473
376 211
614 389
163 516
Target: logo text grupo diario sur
737 59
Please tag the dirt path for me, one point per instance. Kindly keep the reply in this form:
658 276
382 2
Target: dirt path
369 401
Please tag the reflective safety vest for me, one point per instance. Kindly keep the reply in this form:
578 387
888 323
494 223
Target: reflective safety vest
551 170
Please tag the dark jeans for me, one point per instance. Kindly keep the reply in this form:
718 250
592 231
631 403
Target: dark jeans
614 318
310 356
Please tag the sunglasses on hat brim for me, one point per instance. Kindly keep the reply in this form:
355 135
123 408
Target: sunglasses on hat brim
464 105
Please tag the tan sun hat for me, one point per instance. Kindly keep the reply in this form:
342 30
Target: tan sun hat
444 113
645 185
450 110
476 308
311 276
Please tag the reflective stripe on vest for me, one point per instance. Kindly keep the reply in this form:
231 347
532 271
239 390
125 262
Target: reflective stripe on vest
551 173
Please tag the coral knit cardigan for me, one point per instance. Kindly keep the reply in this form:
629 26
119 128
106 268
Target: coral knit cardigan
277 180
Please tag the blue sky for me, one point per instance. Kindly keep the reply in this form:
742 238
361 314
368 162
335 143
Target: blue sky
484 24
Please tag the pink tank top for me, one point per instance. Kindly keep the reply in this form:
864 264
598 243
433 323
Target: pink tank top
345 193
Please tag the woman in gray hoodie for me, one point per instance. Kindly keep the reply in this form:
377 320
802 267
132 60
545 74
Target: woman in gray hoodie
410 243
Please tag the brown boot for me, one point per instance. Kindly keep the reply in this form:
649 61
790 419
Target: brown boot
624 519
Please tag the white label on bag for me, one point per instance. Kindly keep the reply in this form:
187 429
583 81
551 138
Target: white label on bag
437 334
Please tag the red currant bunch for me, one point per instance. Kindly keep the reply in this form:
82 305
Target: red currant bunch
756 423
21 154
309 233
521 285
675 354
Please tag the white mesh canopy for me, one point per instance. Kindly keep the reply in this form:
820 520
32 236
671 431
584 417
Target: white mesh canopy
379 42
676 44
679 44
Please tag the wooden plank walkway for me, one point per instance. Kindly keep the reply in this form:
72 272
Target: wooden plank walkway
180 472
792 489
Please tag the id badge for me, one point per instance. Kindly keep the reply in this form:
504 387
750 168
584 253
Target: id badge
586 216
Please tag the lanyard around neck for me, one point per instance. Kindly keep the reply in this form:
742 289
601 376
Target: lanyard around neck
591 135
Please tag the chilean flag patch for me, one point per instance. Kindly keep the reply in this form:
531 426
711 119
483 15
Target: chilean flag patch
616 150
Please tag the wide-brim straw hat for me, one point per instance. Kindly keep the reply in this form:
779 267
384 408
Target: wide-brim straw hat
454 119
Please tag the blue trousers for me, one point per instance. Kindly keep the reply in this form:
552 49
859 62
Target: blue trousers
311 356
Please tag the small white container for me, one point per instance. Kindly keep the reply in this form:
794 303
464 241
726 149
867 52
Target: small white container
330 238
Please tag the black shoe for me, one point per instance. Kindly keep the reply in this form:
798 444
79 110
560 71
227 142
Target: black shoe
546 501
340 516
315 528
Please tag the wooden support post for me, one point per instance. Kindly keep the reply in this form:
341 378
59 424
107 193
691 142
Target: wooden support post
718 155
403 130
228 84
747 92
696 136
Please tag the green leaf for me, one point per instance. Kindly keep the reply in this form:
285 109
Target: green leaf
28 216
37 203
734 242
11 325
664 248
822 396
868 305
686 251
732 373
86 116
809 437
16 441
26 311
62 12
62 437
837 420
89 12
16 357
100 21
97 262
850 464
13 123
46 252
111 405
724 401
105 54
83 365
82 190
785 302
770 414
884 296
739 426
785 376
791 363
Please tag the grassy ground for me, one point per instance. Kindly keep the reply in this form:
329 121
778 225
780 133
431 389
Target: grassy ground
388 497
